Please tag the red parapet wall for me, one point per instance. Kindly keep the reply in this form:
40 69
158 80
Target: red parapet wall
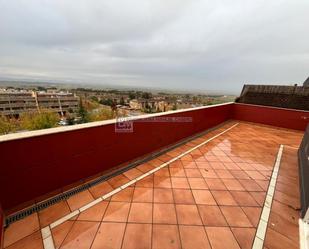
33 164
1 226
36 165
285 118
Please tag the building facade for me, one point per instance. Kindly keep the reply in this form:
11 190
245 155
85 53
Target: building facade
13 103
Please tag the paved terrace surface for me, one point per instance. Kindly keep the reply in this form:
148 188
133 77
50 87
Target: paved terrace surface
211 197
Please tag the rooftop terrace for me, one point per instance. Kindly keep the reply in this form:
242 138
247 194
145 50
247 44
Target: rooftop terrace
234 184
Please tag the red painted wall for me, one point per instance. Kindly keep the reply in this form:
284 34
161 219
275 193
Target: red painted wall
1 226
31 167
286 118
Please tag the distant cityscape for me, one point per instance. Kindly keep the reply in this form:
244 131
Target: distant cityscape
25 107
39 107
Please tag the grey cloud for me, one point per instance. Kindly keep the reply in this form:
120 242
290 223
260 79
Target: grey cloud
202 44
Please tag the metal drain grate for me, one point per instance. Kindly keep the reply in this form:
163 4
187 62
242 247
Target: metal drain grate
63 196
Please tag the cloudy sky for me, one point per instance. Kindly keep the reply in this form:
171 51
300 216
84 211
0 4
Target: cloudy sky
175 44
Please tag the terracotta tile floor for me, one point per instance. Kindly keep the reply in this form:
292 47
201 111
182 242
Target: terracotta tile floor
215 192
283 220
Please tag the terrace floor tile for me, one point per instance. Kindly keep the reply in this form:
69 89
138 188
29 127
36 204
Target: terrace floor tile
197 183
140 213
101 189
164 213
95 213
137 236
124 195
162 195
81 235
21 229
79 200
203 197
188 215
133 173
215 184
210 198
193 237
211 216
60 232
53 213
235 216
224 198
33 241
177 172
221 238
244 198
110 235
165 236
244 236
183 196
143 195
180 182
117 212
253 214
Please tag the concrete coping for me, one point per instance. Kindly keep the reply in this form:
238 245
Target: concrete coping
273 107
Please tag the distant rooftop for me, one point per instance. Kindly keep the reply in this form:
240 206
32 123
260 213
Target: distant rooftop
293 97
